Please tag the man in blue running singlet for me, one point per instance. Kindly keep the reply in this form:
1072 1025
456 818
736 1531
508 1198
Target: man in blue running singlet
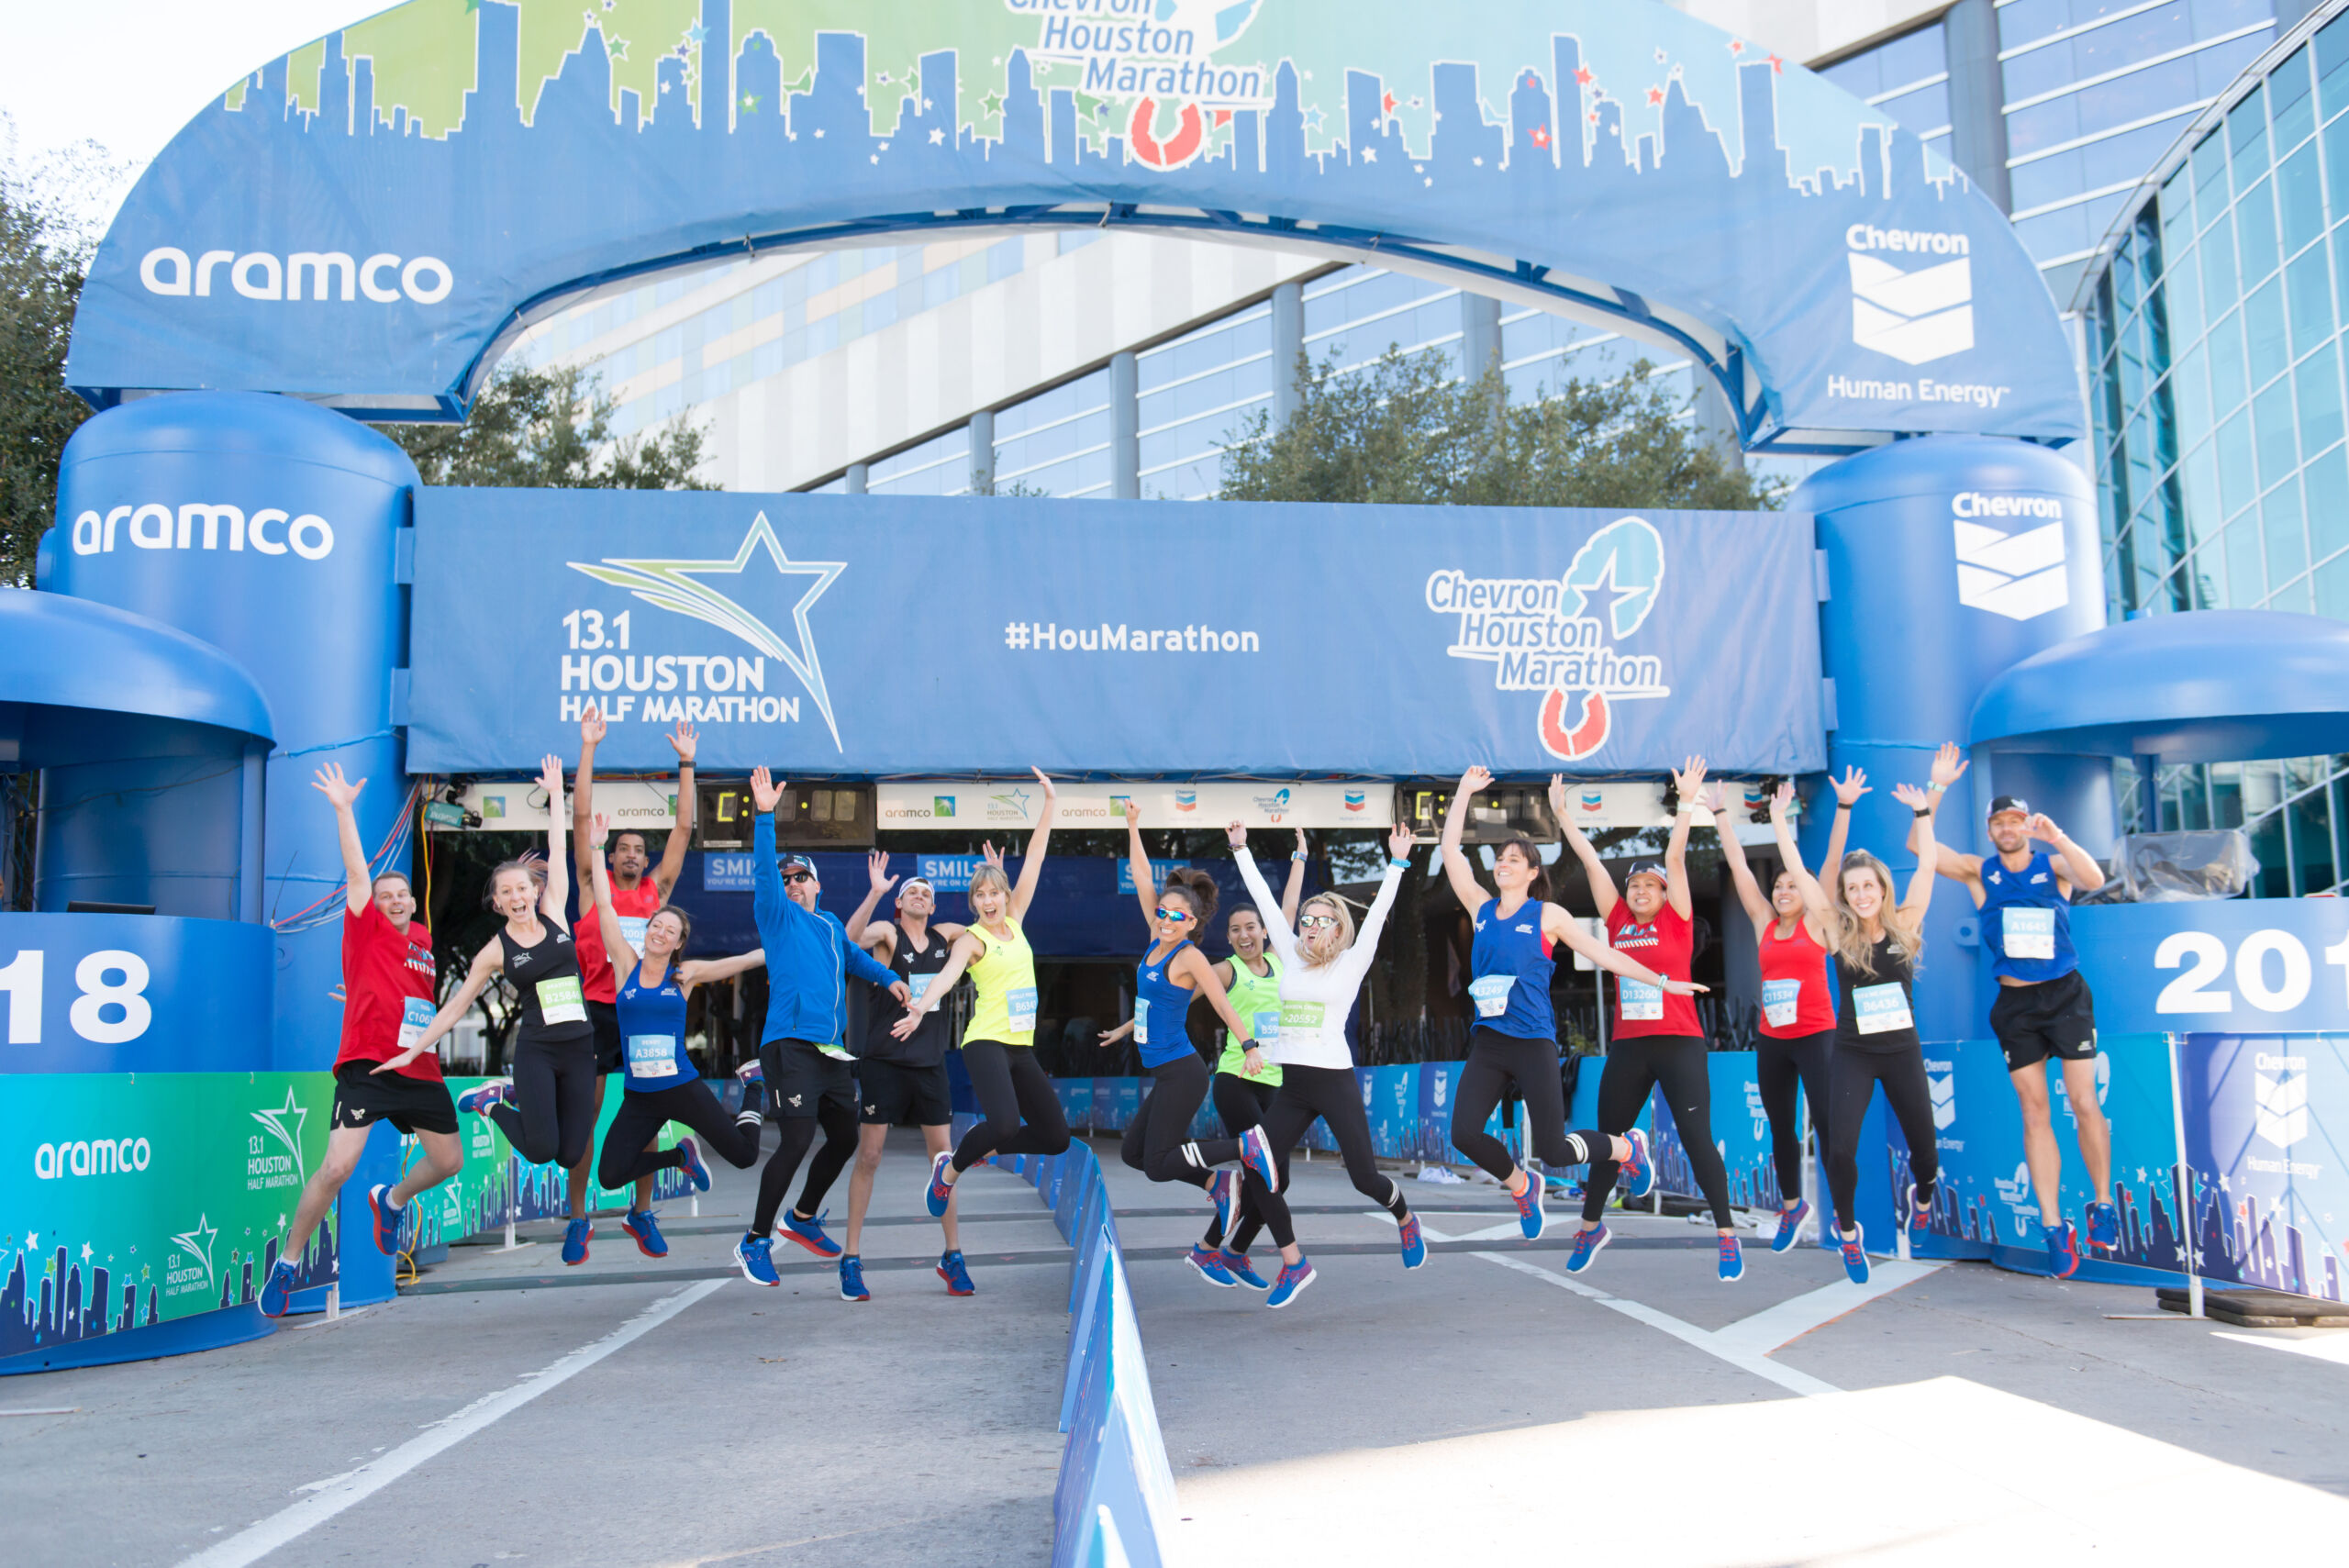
2043 1008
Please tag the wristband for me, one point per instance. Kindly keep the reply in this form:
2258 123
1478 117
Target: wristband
1843 805
1925 810
1399 865
1935 788
1297 855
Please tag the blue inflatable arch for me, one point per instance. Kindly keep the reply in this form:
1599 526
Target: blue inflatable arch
368 221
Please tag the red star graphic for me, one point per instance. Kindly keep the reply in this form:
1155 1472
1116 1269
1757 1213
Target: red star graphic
1540 136
1223 118
1777 65
1387 103
1594 117
1737 46
1531 80
1655 96
1582 75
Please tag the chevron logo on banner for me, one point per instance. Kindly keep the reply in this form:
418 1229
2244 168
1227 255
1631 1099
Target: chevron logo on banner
1915 317
2280 1107
2020 575
1941 1078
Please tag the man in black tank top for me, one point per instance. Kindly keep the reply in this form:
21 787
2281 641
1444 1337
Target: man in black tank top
898 1077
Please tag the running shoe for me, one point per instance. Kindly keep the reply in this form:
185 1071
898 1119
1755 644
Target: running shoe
1529 1206
957 1277
1856 1256
1415 1247
1223 1191
1588 1242
942 1191
387 1219
1638 1173
696 1169
852 1278
1210 1264
638 1222
1256 1153
1921 1210
755 1254
1732 1259
2104 1229
574 1240
1294 1277
1236 1265
1789 1225
2063 1249
809 1233
277 1291
479 1100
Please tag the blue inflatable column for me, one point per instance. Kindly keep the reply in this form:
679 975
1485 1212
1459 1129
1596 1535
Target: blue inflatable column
271 529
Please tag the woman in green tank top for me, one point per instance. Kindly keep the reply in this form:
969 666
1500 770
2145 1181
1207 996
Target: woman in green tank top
1245 1081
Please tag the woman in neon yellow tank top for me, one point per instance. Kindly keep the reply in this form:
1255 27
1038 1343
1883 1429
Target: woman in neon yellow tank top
1023 1112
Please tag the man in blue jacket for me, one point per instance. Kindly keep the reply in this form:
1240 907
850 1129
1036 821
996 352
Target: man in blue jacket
808 1080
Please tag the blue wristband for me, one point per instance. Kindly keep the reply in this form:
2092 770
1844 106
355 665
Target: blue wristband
1399 865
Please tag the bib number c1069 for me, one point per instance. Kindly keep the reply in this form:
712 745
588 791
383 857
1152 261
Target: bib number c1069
416 1016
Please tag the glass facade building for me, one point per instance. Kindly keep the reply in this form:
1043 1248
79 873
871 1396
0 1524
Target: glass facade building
2214 315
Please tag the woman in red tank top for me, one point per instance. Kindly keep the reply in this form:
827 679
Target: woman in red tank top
1797 991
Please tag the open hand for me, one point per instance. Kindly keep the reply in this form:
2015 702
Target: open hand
1688 782
597 827
1914 799
551 780
592 728
1685 988
1850 786
1399 841
328 781
1949 764
1235 835
765 791
877 870
684 740
1477 780
1782 799
904 1028
1050 793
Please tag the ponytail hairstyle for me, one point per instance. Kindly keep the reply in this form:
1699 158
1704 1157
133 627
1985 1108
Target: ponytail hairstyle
1850 935
1194 887
1539 888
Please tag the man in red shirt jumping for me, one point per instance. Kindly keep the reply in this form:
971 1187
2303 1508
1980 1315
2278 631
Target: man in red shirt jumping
387 987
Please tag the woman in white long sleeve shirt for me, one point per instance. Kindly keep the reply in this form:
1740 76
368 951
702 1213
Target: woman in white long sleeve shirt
1322 964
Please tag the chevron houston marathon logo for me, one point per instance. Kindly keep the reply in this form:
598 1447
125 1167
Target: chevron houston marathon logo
1562 636
2279 1086
2010 553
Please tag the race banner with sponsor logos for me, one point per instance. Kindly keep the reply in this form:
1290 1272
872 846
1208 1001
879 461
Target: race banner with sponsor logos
1396 640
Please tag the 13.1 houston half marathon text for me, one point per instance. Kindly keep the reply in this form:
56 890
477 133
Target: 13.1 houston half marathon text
703 688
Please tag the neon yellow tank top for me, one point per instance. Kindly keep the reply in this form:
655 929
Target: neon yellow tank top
1004 976
1257 999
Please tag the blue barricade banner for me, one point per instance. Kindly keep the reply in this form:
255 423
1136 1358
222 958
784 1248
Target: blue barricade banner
1438 1081
1393 1111
2267 1124
1076 1102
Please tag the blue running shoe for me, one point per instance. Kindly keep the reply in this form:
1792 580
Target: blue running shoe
1638 1174
2063 1249
696 1170
1856 1256
1921 1210
574 1240
478 1100
1588 1242
1415 1246
809 1233
2104 1229
1209 1263
1223 1191
277 1291
1529 1217
957 1276
1256 1153
387 1219
1789 1225
1732 1259
1294 1277
942 1191
852 1278
637 1223
1236 1265
755 1255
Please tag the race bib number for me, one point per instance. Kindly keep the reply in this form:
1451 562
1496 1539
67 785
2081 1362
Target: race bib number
1303 1017
632 932
1880 1009
1267 1025
1779 999
1491 994
1142 1020
919 986
560 1001
1642 1002
2029 933
653 1056
416 1016
1021 1004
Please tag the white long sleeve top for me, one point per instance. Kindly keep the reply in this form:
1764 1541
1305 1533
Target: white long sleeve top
1315 1002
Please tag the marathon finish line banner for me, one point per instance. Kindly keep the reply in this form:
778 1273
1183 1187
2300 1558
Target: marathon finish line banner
890 635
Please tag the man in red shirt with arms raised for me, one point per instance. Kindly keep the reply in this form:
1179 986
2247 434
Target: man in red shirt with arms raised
636 898
387 989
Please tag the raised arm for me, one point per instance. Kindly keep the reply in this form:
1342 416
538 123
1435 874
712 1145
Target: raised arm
1949 766
2080 869
558 888
709 971
1814 897
861 964
1561 927
966 951
768 906
1194 964
1356 961
683 740
358 890
1294 892
1282 932
877 872
608 919
1920 881
1138 861
1031 869
1690 783
1602 887
1456 870
592 729
1848 790
1740 875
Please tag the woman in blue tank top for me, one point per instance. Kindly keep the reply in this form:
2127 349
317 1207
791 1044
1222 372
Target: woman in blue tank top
1158 1141
663 1084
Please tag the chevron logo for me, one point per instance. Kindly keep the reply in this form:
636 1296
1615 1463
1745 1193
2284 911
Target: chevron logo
2020 575
1944 1087
2280 1107
1915 317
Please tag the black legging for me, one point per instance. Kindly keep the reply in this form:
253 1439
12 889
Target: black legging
1308 1095
1241 1104
836 1116
1782 1065
1016 1096
1158 1140
1852 1076
1494 1061
1677 1062
644 1112
551 1116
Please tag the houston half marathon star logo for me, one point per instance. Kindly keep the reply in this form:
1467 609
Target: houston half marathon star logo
284 1125
670 586
196 1241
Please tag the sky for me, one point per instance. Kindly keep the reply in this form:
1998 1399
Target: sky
128 73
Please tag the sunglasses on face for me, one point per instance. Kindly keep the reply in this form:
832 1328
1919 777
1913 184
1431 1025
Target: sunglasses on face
1314 922
1175 915
798 876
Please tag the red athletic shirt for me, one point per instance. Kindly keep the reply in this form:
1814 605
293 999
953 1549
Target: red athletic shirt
597 981
1794 983
382 969
1664 945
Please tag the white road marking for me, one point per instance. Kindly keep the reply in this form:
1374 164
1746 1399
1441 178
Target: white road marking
2335 1350
1775 1328
334 1494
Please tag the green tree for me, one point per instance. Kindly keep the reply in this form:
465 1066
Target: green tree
1403 429
551 429
43 256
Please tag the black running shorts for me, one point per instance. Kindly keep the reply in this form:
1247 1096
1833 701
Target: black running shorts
611 1050
2055 1017
800 1078
363 1097
888 1092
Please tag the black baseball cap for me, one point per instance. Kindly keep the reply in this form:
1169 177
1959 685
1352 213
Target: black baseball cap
790 863
2006 803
